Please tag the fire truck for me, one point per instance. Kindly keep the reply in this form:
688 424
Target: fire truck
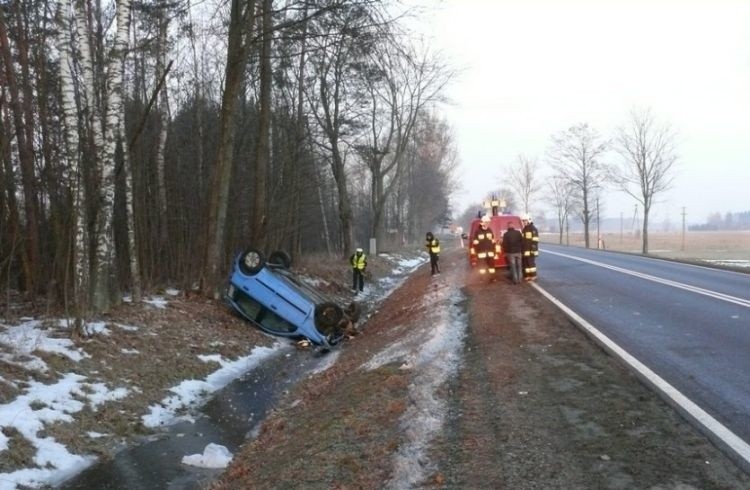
490 261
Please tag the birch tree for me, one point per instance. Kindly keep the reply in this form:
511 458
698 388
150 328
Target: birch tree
112 112
648 156
72 163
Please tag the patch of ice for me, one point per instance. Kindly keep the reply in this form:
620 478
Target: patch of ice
435 362
194 392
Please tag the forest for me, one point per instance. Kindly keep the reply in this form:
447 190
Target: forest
145 142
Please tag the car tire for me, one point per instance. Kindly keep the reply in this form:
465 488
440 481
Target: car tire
328 316
279 258
251 261
353 311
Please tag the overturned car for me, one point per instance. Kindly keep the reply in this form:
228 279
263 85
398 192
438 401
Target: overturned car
265 292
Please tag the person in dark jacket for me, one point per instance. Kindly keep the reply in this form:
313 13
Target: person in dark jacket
530 248
484 244
513 247
433 248
358 261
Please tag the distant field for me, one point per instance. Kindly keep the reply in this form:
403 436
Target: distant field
725 247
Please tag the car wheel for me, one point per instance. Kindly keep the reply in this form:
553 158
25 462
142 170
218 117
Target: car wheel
353 312
279 258
251 261
328 316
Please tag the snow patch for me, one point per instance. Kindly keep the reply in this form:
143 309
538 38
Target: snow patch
214 456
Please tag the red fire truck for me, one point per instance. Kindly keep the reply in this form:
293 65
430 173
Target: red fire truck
488 262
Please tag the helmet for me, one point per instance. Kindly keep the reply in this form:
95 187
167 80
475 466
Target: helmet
485 218
428 235
526 217
359 250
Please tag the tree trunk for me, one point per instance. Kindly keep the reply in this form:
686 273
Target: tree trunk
646 208
135 263
345 207
163 118
259 219
104 284
222 172
26 160
13 227
72 165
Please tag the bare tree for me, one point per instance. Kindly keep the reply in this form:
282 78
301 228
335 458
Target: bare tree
262 149
562 200
400 85
576 155
524 178
648 159
423 196
334 57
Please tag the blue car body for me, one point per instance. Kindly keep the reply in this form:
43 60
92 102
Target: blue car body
274 299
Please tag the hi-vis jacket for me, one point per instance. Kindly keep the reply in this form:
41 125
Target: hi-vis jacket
433 246
484 241
530 240
358 261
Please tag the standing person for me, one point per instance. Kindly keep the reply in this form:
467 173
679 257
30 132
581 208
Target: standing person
358 260
530 248
484 243
513 247
433 248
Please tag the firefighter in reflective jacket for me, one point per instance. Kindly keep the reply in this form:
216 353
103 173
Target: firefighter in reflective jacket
484 244
530 248
433 248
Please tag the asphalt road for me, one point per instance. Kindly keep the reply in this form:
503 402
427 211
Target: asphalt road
690 325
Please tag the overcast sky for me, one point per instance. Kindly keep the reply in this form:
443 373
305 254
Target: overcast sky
531 68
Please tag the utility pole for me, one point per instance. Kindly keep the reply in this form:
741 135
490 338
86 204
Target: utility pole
683 229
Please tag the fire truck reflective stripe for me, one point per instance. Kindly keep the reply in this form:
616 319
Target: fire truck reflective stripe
482 271
492 271
526 253
476 242
482 255
535 253
490 254
527 235
535 239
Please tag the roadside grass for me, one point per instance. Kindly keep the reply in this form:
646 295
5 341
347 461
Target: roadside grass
146 350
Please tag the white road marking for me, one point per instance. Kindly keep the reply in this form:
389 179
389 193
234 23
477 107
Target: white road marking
714 429
667 282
